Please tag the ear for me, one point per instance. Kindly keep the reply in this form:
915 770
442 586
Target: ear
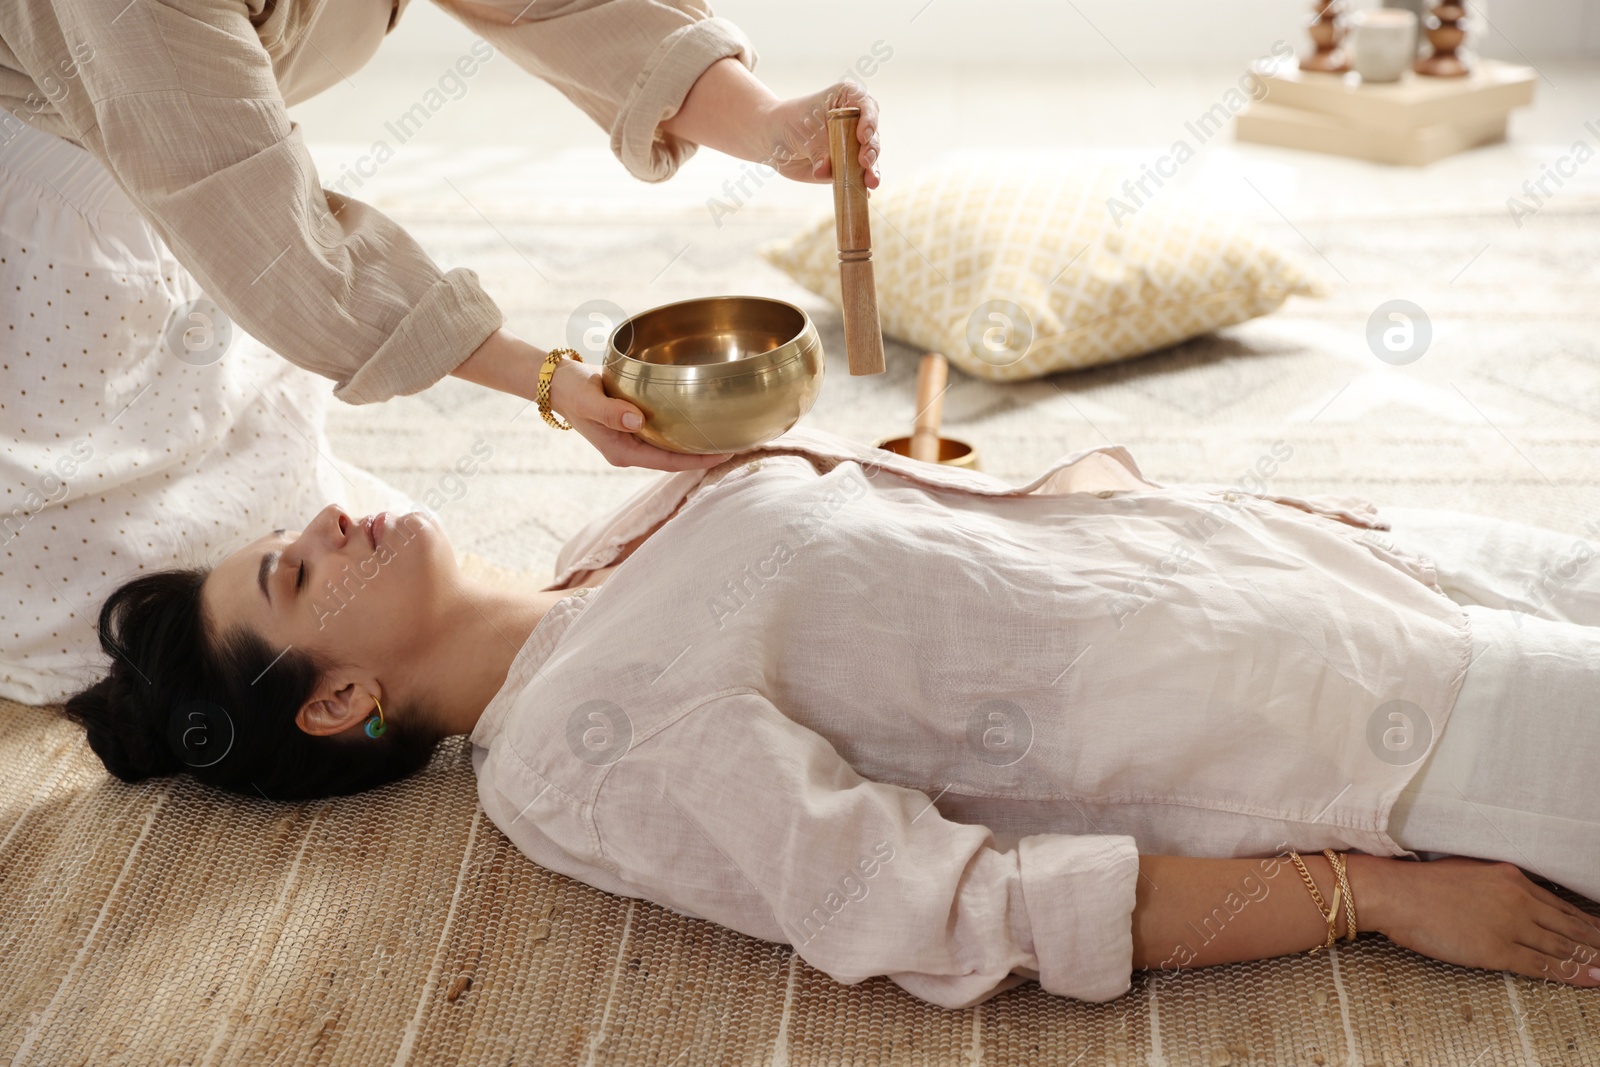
338 705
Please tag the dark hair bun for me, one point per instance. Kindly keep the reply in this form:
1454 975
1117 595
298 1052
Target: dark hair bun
222 707
123 727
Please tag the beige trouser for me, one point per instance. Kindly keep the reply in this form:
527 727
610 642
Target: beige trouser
1513 775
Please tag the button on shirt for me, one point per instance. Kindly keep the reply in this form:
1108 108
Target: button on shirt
919 722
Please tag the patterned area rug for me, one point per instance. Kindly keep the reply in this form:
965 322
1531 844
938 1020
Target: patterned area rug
160 923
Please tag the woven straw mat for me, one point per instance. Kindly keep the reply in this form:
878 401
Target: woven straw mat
166 924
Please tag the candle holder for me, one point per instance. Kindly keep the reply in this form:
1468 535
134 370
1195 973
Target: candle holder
1445 34
1327 33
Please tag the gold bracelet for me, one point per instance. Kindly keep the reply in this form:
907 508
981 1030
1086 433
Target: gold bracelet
1328 914
547 371
1336 860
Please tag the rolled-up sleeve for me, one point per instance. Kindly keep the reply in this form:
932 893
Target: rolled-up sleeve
178 99
628 64
737 814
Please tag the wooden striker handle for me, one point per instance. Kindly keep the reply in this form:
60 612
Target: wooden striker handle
863 337
931 376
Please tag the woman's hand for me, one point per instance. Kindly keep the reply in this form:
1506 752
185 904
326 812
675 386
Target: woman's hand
1481 914
729 109
576 394
508 363
795 133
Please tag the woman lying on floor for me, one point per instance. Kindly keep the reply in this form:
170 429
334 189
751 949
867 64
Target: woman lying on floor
923 723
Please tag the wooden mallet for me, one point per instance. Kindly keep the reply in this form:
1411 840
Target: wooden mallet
858 296
932 374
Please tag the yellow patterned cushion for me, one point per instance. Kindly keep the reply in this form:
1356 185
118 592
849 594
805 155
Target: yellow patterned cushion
1016 272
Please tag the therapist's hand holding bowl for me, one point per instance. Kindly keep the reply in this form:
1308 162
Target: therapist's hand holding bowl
729 110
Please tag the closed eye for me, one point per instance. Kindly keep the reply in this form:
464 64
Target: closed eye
300 579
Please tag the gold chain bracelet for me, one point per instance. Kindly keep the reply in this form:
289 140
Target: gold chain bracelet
547 371
1328 914
1336 860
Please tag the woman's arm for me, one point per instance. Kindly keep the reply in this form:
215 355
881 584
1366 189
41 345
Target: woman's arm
511 365
725 110
628 63
625 63
1194 912
178 99
729 109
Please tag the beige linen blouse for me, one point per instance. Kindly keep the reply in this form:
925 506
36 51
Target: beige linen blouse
184 101
919 722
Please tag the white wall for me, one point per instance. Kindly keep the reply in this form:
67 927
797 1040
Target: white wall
1096 31
1100 32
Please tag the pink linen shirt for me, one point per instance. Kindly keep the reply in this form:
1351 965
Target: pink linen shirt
918 722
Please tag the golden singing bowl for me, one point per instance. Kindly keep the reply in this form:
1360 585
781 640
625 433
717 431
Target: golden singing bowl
952 453
716 374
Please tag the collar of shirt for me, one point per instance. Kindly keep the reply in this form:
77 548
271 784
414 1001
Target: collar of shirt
527 662
1108 467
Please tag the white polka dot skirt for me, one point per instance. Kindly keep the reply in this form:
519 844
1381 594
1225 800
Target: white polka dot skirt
139 429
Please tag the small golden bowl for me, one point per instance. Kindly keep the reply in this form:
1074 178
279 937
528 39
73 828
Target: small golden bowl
716 374
952 453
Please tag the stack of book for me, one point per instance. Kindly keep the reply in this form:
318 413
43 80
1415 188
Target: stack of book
1413 121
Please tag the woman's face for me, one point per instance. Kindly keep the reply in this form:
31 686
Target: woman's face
329 589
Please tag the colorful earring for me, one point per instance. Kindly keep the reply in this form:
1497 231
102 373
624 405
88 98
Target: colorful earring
375 724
